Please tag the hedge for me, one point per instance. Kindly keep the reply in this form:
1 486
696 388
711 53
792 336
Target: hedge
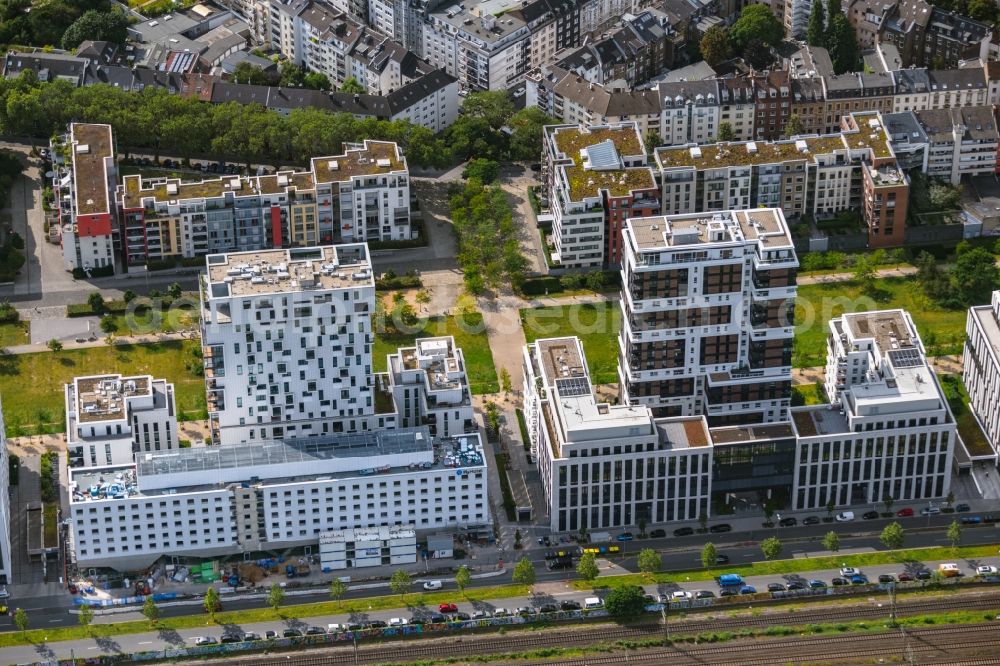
84 309
103 271
398 282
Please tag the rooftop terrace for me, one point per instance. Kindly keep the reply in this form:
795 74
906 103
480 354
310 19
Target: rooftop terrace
91 146
288 270
103 398
763 225
162 190
683 433
587 178
370 159
563 362
751 433
889 328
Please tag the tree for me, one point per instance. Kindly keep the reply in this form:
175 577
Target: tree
950 499
485 170
96 302
888 500
211 602
842 44
715 46
338 589
833 7
110 26
793 126
251 74
829 508
351 85
400 582
505 383
517 539
317 81
831 541
463 578
703 521
768 513
984 11
594 281
587 567
942 196
626 602
709 554
974 276
649 561
526 133
653 141
583 534
815 30
54 345
954 533
771 547
108 324
128 296
275 597
524 572
174 290
756 22
758 54
892 536
21 620
495 107
726 132
86 615
150 610
864 273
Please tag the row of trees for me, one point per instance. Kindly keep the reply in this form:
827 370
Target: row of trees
830 29
969 281
156 121
63 23
752 37
489 251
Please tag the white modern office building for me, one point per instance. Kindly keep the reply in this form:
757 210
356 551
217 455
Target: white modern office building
888 430
605 465
981 368
185 502
111 418
368 547
430 387
707 308
287 338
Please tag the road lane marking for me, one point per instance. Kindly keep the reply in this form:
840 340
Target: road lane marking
145 642
56 620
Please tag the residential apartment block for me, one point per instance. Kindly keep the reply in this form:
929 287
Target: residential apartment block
83 185
929 36
981 370
810 175
483 52
361 195
597 177
430 386
267 496
707 307
960 141
607 465
110 419
287 338
888 431
923 89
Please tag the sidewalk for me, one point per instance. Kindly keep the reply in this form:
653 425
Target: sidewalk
103 342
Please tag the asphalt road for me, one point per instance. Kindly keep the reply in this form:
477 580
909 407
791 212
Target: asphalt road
678 554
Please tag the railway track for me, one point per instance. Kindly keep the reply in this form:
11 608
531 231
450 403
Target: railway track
457 646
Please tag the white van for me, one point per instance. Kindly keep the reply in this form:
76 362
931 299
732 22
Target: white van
592 602
845 516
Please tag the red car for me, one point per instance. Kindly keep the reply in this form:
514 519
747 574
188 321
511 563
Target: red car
448 608
904 513
904 577
73 588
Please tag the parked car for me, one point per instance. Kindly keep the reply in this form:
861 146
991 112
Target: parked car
886 578
569 605
73 589
859 579
270 635
548 608
930 511
500 612
657 534
816 584
378 624
524 611
315 631
205 640
838 581
924 575
869 515
721 558
728 592
845 516
479 615
398 621
847 572
291 633
986 570
795 585
683 531
972 520
681 595
904 513
791 521
960 508
448 608
464 617
904 577
810 520
432 585
704 594
748 589
775 587
625 536
720 528
231 638
251 636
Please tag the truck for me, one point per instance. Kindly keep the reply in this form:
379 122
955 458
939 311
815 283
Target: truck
730 580
599 537
293 570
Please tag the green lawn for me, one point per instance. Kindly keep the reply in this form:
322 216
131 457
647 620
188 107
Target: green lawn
470 337
809 394
14 334
32 385
596 324
942 331
148 321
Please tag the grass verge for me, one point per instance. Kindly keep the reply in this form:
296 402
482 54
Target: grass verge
14 333
596 324
525 439
470 336
797 565
509 506
429 600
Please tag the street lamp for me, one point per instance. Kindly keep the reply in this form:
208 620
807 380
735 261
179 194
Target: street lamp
776 523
